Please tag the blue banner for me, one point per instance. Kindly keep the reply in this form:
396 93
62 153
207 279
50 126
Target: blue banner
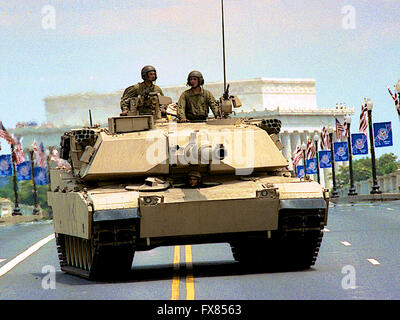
24 171
341 152
5 165
40 176
383 134
324 159
359 144
311 166
300 171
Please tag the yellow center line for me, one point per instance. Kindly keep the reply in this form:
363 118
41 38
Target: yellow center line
189 273
175 279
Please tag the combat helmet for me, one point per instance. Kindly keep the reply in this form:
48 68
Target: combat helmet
147 69
195 174
197 74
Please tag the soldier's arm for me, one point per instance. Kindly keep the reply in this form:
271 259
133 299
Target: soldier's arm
160 91
181 107
212 103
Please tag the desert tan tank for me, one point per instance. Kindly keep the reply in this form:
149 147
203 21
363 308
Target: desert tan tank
128 190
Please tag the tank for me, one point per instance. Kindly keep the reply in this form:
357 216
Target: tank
128 190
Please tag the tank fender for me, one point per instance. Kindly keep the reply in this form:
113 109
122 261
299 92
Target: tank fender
114 205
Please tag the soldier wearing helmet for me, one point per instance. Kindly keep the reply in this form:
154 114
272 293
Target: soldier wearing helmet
196 102
194 179
149 75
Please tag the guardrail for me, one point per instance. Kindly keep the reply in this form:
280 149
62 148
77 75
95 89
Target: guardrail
388 183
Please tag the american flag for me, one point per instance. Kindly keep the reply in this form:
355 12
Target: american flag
363 119
324 139
35 147
347 129
395 98
5 135
310 151
340 130
297 156
54 157
18 155
60 162
40 156
41 159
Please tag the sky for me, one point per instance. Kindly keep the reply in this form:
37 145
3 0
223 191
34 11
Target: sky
56 47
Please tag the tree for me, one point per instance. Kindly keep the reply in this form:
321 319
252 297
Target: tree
25 193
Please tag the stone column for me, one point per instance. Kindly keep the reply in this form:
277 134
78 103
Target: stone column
287 151
296 139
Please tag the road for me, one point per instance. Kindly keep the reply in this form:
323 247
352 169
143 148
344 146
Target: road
358 259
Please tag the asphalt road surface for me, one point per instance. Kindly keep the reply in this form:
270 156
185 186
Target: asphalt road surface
358 259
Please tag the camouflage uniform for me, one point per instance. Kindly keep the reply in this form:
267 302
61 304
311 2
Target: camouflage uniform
136 90
195 106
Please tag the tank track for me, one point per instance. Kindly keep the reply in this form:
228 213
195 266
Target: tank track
295 245
108 254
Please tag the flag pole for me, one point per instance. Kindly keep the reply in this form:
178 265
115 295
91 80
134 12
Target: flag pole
304 147
316 138
17 210
334 194
352 190
375 187
35 205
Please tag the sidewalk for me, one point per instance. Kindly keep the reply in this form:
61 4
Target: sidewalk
19 219
367 197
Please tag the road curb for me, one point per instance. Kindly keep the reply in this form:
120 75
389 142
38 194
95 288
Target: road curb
367 198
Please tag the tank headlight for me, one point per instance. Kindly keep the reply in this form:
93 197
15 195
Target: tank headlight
151 200
271 193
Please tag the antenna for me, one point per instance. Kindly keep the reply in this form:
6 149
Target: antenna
223 42
90 118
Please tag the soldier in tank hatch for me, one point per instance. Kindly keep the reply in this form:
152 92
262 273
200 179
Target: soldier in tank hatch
194 179
149 76
194 104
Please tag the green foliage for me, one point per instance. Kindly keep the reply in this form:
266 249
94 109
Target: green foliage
25 193
362 169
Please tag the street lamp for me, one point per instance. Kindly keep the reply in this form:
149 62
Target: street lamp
304 147
334 194
375 186
352 190
35 209
16 211
316 138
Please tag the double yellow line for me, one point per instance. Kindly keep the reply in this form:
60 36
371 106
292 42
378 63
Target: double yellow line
177 276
